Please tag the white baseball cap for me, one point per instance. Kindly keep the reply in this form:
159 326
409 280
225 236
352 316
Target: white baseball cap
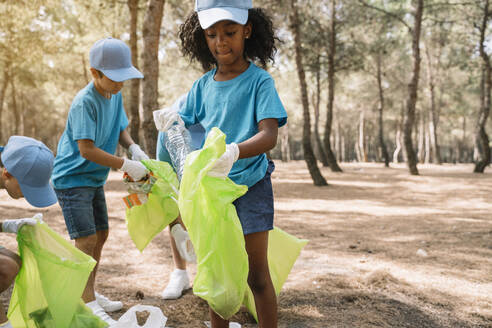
213 11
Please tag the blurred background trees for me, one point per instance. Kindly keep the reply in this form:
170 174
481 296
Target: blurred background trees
374 91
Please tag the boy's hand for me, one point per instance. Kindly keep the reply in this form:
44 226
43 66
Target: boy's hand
224 164
13 226
165 118
137 153
135 169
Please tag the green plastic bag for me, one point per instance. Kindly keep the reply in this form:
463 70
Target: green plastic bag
206 209
283 251
50 282
145 221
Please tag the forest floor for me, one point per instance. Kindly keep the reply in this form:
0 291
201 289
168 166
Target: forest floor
386 249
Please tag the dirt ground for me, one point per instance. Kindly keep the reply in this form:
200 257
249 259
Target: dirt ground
386 249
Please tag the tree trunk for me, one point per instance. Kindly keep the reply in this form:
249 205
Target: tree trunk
396 153
361 143
433 114
151 35
284 143
3 90
382 146
309 157
421 138
15 110
134 104
319 146
408 121
332 161
481 137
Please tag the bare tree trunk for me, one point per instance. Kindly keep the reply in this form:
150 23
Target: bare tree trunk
433 114
15 110
134 83
481 137
421 138
151 35
361 144
319 146
382 146
396 153
3 90
284 143
309 157
331 90
412 91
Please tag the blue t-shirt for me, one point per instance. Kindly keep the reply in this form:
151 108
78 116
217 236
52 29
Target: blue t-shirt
93 117
236 107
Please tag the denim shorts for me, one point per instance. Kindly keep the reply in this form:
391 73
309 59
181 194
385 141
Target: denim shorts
84 210
255 208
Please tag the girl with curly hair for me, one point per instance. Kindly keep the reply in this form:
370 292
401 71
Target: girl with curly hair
227 37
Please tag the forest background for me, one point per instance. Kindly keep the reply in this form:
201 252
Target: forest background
362 80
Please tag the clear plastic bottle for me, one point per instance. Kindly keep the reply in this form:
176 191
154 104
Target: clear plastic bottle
178 145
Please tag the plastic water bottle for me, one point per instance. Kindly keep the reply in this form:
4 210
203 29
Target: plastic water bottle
178 145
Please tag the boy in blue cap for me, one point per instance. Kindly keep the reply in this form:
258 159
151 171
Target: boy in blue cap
96 124
26 173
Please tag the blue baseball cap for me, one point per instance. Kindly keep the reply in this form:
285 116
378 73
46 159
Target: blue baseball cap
213 11
113 58
31 163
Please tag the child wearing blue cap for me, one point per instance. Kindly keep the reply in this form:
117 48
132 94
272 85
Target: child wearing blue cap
96 124
26 172
238 97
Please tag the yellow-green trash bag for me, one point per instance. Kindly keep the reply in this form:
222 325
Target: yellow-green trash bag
50 282
206 209
145 221
283 251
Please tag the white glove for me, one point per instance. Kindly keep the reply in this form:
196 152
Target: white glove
137 153
166 117
13 226
224 164
135 169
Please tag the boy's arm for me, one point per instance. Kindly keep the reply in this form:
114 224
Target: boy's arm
90 152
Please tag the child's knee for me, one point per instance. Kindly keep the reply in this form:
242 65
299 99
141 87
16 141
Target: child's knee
87 244
258 282
9 268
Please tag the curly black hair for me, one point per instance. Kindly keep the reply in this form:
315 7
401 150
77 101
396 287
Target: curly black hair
259 47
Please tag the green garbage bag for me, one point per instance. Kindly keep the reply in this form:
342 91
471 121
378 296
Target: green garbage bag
283 251
145 221
50 282
206 209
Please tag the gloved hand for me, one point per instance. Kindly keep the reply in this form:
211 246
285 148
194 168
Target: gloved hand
135 169
166 117
13 226
137 153
224 164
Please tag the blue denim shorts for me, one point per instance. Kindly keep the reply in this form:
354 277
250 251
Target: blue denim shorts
255 208
84 210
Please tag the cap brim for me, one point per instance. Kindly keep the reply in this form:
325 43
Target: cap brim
39 196
122 74
211 16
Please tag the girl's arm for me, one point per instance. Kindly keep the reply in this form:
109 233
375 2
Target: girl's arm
263 141
94 154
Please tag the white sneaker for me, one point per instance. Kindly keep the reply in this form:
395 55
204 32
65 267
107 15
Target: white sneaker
231 324
107 304
177 284
99 311
183 243
6 325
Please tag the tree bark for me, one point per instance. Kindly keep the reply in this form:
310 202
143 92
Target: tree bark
409 119
433 114
309 157
481 137
284 143
134 104
332 161
151 35
319 146
15 110
382 145
361 143
3 90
